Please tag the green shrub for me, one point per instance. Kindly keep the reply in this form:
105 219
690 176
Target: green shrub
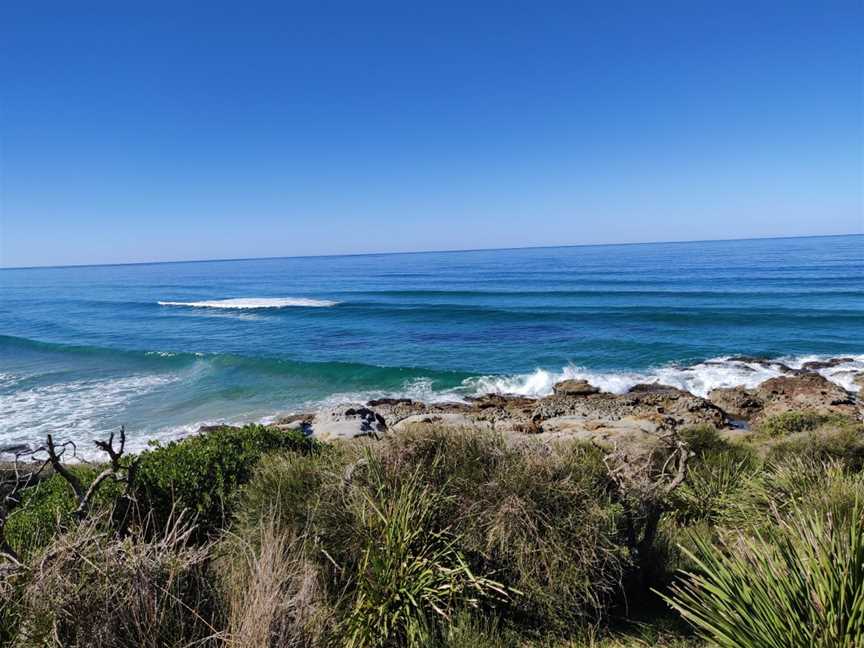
843 443
411 575
47 508
539 521
201 474
803 589
713 488
788 423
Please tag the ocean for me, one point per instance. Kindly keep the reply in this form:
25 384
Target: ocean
166 347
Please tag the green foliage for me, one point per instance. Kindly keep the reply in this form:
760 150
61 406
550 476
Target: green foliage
201 474
787 423
411 574
843 442
46 509
449 513
713 489
802 589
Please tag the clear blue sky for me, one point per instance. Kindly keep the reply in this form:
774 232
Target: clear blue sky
184 130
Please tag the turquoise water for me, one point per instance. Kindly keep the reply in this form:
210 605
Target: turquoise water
158 347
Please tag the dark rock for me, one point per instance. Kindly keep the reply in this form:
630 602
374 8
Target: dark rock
15 448
650 388
816 365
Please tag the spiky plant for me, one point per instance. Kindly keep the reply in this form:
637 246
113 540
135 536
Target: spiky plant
411 575
804 589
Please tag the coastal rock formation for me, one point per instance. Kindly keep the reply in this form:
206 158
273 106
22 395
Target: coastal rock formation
816 365
805 391
347 422
574 387
737 402
577 409
670 405
811 392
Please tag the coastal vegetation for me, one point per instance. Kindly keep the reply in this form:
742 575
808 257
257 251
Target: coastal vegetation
441 535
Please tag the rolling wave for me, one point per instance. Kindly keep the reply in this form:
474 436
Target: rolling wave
247 303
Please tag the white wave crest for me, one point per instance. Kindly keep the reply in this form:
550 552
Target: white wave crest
79 410
245 303
698 379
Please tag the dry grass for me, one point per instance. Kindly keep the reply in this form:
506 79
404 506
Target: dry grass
90 589
273 594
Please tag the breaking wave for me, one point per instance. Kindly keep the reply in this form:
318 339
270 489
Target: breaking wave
246 303
698 379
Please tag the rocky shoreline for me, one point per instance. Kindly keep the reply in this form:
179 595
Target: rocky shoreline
579 410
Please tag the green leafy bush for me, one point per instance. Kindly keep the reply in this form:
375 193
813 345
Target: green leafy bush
47 508
802 589
201 474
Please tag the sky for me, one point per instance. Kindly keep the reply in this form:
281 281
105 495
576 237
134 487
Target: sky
170 131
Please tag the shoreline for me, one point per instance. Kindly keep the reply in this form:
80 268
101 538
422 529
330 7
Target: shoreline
517 395
577 409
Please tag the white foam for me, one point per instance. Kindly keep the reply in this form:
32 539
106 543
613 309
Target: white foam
698 379
245 303
79 410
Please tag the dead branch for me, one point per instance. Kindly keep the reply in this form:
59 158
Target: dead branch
643 486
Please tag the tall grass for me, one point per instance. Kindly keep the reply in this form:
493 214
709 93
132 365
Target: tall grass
88 589
802 589
411 576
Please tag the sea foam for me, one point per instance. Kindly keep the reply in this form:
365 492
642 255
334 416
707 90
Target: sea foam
698 379
245 303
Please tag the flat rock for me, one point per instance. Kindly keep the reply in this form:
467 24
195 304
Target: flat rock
803 392
816 365
347 422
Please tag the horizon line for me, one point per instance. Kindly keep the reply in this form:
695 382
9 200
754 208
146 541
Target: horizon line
449 251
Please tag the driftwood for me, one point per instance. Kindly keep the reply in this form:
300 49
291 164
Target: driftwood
643 485
52 454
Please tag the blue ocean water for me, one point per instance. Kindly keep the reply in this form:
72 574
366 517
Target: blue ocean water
165 347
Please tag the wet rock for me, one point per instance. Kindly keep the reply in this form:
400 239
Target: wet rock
816 365
14 448
646 388
574 387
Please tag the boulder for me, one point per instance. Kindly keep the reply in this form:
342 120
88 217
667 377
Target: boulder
737 402
574 387
807 392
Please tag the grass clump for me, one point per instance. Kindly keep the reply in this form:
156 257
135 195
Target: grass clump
788 423
409 533
803 588
90 589
411 574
